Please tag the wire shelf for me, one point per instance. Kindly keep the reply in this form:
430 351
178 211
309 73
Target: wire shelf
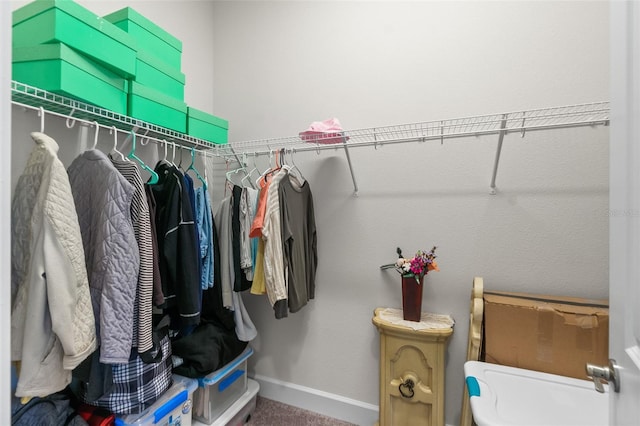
588 114
596 113
23 94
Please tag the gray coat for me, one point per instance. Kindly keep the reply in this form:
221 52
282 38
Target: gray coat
103 201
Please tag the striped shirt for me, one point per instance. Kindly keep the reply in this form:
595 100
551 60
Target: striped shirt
143 308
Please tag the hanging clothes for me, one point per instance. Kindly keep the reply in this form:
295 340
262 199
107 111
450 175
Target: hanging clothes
204 221
179 265
52 321
248 247
299 240
241 261
102 199
141 221
246 263
189 189
274 273
232 276
258 286
158 296
225 270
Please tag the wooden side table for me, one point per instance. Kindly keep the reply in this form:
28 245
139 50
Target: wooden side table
412 367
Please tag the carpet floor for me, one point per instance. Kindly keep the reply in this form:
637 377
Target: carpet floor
273 413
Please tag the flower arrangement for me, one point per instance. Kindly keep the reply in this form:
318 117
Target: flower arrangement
419 265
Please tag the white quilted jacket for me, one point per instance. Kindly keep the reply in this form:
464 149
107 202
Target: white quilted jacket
52 322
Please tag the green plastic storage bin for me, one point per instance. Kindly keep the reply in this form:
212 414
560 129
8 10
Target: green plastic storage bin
155 74
154 107
64 21
59 69
205 126
149 36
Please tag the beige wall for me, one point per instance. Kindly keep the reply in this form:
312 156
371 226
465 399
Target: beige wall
280 65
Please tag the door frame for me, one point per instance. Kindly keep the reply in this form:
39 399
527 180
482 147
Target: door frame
5 207
624 209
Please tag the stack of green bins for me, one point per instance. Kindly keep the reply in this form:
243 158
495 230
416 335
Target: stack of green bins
156 94
60 46
205 126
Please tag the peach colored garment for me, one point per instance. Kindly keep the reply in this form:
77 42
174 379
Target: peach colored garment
258 220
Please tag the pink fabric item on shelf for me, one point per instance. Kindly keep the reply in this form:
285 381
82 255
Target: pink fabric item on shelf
324 132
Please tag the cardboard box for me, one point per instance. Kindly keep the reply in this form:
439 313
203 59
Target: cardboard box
557 335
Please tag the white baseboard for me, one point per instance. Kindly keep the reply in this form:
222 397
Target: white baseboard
328 404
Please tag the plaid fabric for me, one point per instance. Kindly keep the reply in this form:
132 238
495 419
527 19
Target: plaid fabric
137 384
96 416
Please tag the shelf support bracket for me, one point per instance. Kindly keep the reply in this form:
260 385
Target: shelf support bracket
503 125
353 176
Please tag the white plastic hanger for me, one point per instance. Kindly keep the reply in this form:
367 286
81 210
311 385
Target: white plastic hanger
70 121
95 137
115 144
173 157
41 113
295 169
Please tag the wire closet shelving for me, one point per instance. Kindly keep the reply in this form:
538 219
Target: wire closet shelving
588 114
578 115
35 98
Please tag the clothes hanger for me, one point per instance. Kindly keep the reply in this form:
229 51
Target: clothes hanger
271 171
115 144
41 113
264 174
248 176
70 121
154 176
193 159
95 137
164 160
242 168
295 168
173 158
180 163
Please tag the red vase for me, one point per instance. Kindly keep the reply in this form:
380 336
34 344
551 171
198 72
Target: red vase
412 297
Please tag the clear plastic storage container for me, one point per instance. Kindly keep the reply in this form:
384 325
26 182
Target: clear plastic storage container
172 408
221 389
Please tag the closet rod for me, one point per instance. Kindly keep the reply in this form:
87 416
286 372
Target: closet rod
71 118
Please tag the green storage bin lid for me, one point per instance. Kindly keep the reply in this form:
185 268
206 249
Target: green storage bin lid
205 116
152 94
132 15
43 52
74 9
161 66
